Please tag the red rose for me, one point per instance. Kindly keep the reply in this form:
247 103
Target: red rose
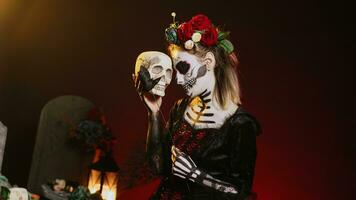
209 37
185 31
200 22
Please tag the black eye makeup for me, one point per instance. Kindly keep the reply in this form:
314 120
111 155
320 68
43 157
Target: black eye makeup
182 67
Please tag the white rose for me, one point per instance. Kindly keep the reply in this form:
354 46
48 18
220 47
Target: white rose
189 44
196 37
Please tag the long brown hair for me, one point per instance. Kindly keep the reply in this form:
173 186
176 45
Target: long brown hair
227 85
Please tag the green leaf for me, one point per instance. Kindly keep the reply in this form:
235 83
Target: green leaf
4 193
223 35
227 46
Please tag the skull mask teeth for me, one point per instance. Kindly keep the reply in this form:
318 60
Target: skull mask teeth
190 78
192 72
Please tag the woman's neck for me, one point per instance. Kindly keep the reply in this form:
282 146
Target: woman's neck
204 111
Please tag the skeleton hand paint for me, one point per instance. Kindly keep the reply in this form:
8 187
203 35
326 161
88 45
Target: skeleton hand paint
153 70
184 167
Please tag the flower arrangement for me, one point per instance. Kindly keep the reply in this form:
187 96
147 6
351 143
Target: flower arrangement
94 131
200 30
9 192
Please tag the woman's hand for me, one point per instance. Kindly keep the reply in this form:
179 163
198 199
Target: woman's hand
184 167
152 102
143 84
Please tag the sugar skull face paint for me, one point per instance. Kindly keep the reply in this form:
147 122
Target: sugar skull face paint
192 73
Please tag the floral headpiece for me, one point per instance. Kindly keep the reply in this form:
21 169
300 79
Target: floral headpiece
197 30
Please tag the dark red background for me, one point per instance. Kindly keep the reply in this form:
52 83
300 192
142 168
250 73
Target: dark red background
294 74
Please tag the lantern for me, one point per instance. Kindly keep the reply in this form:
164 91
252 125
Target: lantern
103 177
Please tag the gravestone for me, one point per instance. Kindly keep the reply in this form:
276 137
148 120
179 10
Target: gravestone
55 155
3 133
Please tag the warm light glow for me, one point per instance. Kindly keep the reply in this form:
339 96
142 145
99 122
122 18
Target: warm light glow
94 188
107 193
94 181
109 187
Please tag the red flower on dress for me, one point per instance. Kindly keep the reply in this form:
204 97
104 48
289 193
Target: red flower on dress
191 147
200 135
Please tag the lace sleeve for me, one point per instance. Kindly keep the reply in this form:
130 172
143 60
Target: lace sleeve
243 154
174 118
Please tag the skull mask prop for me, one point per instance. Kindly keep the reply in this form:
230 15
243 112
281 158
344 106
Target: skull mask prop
159 65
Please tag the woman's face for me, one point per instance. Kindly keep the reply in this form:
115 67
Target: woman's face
192 73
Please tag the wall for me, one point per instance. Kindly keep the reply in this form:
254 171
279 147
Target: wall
294 73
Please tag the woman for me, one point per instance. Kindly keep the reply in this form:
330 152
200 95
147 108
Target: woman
208 150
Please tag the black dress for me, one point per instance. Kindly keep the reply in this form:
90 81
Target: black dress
227 153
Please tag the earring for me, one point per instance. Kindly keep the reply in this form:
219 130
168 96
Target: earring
207 65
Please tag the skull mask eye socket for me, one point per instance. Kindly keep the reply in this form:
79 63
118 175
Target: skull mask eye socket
183 67
169 73
157 69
